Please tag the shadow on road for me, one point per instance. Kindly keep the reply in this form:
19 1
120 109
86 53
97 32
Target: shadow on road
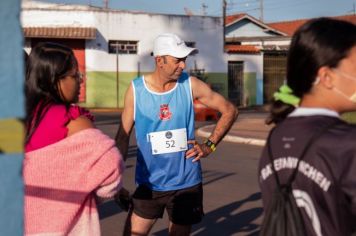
212 176
227 220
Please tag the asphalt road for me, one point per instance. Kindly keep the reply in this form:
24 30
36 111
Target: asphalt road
232 201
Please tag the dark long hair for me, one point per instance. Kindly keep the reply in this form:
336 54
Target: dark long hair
47 64
317 43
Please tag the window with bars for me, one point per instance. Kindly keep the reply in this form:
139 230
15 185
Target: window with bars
122 47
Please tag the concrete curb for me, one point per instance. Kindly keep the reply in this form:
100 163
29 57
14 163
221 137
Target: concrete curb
230 138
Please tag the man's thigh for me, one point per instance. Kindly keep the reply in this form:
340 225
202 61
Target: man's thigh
186 206
146 204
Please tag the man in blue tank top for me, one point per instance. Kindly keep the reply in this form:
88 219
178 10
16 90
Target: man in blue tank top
168 171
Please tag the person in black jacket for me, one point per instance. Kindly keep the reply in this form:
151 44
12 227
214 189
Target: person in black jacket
321 85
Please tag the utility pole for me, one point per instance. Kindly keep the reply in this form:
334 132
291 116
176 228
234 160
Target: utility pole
106 4
261 10
204 7
224 22
117 74
188 12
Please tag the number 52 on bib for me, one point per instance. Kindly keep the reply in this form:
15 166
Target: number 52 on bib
168 141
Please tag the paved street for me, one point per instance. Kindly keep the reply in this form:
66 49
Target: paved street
232 202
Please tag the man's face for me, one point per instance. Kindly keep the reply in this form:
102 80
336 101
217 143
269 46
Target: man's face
172 67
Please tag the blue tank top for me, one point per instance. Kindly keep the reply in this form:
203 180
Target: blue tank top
161 112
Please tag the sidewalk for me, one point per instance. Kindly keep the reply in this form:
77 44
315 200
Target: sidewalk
249 128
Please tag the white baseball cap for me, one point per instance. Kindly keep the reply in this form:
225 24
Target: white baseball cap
171 45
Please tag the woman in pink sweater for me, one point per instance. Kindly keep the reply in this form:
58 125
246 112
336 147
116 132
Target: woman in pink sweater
68 164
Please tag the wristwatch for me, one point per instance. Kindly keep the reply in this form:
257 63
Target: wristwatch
210 144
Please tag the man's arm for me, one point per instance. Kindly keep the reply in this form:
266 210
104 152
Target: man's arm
127 121
214 100
208 97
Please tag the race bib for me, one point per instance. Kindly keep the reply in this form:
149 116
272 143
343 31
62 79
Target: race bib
168 141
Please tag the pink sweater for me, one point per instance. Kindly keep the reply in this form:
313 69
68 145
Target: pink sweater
62 179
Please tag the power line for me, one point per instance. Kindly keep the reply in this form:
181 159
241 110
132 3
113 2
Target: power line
234 2
254 2
239 6
290 5
271 4
278 6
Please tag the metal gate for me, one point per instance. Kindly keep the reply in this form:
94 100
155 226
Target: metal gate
274 74
235 82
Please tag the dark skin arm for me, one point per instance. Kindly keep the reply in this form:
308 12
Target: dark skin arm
126 124
122 139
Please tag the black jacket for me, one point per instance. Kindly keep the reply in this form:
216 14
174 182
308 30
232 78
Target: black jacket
325 185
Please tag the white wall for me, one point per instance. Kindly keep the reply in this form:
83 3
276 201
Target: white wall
246 28
206 32
52 18
252 62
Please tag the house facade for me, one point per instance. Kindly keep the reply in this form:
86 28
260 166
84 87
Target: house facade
247 65
113 47
257 56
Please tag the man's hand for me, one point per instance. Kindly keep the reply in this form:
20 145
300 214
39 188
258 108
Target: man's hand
198 151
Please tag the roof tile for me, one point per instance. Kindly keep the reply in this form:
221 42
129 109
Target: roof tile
241 49
60 32
289 27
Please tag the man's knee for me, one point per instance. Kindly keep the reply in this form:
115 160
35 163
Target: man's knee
137 226
179 230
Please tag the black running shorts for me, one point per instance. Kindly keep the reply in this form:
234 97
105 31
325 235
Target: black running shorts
184 206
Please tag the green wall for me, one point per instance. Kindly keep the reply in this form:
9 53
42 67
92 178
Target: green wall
101 87
250 88
218 82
